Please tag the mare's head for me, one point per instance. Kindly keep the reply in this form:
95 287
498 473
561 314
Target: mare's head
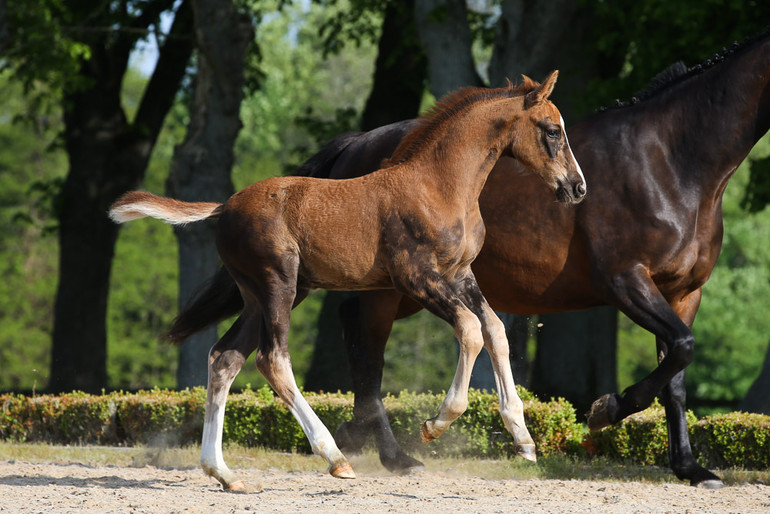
539 142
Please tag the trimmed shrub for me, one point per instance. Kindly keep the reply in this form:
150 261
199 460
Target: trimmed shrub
641 438
736 439
258 418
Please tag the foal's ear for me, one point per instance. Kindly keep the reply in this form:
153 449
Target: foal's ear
542 92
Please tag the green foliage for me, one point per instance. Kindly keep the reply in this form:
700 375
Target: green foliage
643 38
258 418
641 438
736 439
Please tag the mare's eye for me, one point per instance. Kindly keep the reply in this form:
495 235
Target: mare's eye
553 133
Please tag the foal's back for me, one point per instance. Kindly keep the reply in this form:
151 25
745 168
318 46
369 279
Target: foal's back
331 230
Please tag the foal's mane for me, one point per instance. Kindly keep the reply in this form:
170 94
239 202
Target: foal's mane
427 126
679 72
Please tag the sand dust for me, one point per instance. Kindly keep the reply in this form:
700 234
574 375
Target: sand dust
48 487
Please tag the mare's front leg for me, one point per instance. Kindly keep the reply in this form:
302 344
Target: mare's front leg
639 298
367 320
496 343
225 361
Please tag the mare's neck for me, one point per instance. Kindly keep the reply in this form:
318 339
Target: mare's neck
715 118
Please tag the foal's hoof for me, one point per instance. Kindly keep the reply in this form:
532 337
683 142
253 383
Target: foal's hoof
342 470
526 451
236 487
425 433
602 412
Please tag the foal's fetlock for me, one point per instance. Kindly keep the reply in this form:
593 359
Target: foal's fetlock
430 431
228 483
526 451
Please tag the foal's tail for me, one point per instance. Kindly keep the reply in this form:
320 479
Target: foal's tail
138 204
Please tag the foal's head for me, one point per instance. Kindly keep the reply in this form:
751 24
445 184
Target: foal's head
539 142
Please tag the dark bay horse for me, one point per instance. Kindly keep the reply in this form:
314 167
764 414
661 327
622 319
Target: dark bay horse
644 241
414 226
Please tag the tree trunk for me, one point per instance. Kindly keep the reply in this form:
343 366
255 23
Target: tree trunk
576 356
535 38
757 399
399 71
446 38
107 157
202 163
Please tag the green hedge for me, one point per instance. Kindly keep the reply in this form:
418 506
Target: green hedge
737 439
258 418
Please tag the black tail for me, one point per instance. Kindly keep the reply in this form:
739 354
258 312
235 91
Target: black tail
219 298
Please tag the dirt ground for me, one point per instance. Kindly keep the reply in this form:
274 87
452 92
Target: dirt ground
47 487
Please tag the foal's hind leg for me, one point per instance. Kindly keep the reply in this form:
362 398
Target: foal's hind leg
496 343
276 295
225 361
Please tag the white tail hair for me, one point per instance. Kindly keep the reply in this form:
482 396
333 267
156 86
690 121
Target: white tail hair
139 204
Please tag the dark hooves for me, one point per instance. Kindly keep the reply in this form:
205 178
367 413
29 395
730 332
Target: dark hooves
401 464
705 479
350 438
603 412
710 484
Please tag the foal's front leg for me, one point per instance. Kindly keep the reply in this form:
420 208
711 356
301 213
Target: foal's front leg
496 343
432 291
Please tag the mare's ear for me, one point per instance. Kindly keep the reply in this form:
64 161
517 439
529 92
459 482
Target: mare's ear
542 92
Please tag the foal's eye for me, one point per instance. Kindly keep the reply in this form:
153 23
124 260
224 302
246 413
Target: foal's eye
553 133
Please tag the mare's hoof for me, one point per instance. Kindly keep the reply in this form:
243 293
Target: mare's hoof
425 434
401 464
710 484
602 412
526 451
350 438
343 470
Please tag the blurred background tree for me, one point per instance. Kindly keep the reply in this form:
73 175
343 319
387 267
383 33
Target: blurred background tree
328 67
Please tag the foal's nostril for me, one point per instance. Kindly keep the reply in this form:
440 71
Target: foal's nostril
580 190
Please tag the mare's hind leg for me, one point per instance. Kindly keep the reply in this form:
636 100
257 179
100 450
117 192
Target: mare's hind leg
639 298
276 294
496 343
225 361
367 320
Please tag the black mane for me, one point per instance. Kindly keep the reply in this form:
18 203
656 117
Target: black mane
679 72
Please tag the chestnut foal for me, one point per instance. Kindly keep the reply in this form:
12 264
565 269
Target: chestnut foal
413 226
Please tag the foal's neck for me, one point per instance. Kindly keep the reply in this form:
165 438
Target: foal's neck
462 157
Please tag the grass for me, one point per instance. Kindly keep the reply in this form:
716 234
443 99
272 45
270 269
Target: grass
367 464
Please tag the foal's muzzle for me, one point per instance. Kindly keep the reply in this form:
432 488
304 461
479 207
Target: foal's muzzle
571 192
